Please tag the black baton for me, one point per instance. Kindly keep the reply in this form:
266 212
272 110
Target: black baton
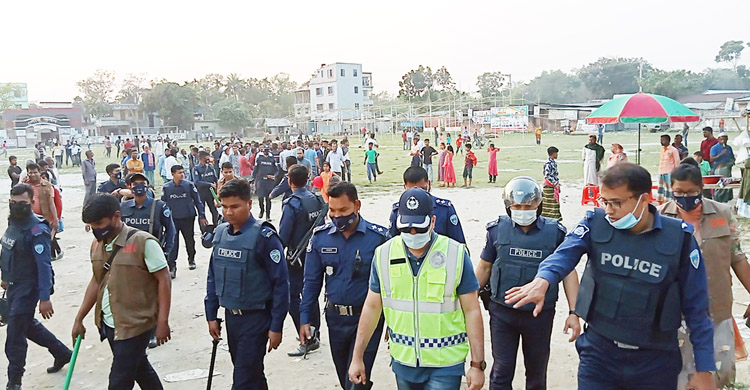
213 358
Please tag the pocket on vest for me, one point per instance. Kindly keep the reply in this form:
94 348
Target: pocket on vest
228 280
435 287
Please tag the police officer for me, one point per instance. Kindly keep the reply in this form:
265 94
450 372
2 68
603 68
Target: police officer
205 177
264 174
283 188
341 252
256 296
28 278
181 196
148 214
516 244
645 273
446 219
115 182
298 215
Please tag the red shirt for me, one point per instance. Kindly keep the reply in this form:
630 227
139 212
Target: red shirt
128 145
706 145
471 160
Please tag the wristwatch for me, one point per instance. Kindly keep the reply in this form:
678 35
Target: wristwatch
480 365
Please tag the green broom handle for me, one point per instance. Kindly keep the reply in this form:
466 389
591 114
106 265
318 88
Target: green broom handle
72 363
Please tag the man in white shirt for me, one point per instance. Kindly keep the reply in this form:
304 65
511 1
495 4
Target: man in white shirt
159 147
335 158
289 151
170 161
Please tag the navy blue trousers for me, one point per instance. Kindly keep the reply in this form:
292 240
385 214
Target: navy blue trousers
605 366
247 336
22 326
508 326
342 332
130 363
296 279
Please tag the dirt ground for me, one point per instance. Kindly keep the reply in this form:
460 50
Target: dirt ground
190 347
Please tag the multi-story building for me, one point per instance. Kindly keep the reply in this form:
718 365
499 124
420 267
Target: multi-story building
49 122
339 91
16 95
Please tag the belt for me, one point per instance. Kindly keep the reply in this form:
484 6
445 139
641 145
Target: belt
615 342
344 310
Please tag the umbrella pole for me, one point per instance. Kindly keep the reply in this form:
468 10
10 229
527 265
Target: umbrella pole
638 154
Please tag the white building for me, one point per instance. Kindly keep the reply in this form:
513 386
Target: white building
339 91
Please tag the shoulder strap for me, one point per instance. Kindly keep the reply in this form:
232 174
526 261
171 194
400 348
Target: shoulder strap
116 249
151 219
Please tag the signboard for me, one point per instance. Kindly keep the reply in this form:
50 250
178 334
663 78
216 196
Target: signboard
411 123
509 118
564 122
587 128
481 117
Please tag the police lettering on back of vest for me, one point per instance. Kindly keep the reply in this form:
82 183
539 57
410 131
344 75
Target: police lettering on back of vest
306 207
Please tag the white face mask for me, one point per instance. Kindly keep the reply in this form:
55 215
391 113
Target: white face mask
416 241
523 217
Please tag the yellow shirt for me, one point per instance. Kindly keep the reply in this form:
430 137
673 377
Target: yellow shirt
134 166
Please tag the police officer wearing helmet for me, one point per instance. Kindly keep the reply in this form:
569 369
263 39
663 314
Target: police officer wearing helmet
299 213
425 284
181 196
205 177
247 275
341 253
28 278
516 244
645 274
148 214
446 219
264 174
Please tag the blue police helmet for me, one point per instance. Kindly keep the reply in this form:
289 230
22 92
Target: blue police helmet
522 190
415 209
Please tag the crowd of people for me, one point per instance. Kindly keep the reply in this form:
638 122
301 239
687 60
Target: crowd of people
647 283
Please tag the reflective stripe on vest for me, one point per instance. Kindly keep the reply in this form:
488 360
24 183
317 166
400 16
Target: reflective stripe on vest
424 308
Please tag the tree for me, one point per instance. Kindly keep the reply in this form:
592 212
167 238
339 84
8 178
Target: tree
555 87
8 92
132 89
234 86
609 76
673 83
490 83
233 114
443 79
730 53
176 104
97 93
415 83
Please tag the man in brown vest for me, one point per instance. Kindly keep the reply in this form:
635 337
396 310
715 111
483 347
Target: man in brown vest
125 259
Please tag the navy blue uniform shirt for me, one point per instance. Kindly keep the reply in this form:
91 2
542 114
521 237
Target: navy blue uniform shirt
446 220
108 186
204 178
692 281
268 241
282 188
182 199
343 262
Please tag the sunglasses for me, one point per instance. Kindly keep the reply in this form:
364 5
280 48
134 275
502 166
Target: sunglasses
407 230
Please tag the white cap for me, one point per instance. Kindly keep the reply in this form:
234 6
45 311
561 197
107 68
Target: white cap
722 134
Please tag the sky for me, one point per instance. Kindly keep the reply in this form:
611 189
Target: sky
52 44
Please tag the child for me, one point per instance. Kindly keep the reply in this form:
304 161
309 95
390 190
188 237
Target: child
492 167
449 174
448 139
469 162
327 174
538 134
702 164
551 190
441 160
371 156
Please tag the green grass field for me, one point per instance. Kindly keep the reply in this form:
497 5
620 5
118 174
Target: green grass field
519 155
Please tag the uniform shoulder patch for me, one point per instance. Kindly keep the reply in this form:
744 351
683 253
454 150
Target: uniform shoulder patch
580 230
267 230
275 256
454 219
695 258
443 202
39 248
167 212
492 224
40 229
378 229
323 227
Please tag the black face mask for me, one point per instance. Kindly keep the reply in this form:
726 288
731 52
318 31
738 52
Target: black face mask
688 203
102 233
118 175
140 189
20 211
345 222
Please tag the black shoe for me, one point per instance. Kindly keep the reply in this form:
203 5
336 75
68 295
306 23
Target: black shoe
173 273
13 386
59 363
152 343
191 264
303 349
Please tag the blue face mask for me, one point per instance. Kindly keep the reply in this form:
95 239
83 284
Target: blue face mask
629 220
688 203
139 189
345 222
